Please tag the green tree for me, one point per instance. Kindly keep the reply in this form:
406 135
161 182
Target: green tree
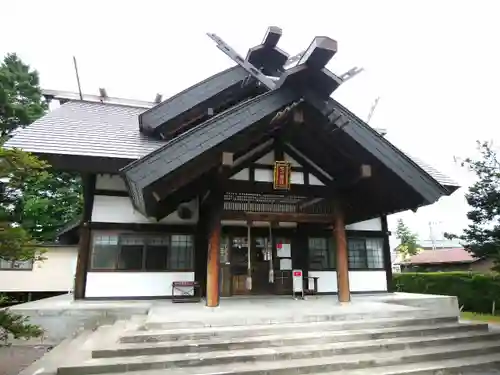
49 204
16 244
21 100
43 206
408 240
482 236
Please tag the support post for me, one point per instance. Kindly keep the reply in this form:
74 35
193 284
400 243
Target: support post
387 254
213 261
84 245
344 294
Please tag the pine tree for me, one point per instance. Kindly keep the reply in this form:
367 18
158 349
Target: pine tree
482 236
21 100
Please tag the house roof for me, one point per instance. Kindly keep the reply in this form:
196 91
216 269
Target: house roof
440 256
85 128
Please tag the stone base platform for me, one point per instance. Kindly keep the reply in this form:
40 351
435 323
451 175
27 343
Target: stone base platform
374 334
62 317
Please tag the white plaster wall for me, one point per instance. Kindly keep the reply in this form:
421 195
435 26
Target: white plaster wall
313 180
292 161
54 274
109 209
263 175
133 284
359 281
110 182
367 281
267 159
243 175
327 282
372 224
266 175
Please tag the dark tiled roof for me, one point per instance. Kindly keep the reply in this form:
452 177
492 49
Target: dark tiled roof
106 130
87 129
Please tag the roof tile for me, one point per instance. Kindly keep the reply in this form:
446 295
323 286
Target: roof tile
106 130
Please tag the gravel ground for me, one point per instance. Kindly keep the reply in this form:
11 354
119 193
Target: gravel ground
14 359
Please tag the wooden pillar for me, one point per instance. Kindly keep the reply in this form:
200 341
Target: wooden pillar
213 261
387 254
84 244
344 293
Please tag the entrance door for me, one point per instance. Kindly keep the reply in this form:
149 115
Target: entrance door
262 263
283 269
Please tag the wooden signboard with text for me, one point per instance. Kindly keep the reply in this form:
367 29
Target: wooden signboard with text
282 172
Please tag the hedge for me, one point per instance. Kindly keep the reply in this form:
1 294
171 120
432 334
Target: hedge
475 291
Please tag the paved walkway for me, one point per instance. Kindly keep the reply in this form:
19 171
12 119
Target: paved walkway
14 359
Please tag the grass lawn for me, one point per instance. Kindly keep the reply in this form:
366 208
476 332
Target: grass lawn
480 317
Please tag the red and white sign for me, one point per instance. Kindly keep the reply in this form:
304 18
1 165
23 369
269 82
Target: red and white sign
298 282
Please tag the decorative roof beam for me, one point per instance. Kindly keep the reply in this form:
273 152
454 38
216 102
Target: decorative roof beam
267 57
250 68
319 53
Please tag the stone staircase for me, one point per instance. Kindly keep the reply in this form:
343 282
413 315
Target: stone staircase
320 344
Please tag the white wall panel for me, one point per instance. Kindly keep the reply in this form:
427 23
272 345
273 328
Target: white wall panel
313 180
292 161
267 159
367 281
372 224
110 182
297 178
359 281
243 175
133 284
55 274
327 282
264 175
108 209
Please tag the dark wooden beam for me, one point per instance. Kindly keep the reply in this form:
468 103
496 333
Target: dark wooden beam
84 245
267 188
277 217
344 293
387 253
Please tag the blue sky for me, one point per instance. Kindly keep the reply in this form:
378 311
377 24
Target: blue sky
433 63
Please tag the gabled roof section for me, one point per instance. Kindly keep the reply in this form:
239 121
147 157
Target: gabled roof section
194 103
202 140
87 129
199 102
338 118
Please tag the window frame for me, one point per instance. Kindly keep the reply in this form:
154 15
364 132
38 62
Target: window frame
350 235
331 251
12 268
145 236
365 252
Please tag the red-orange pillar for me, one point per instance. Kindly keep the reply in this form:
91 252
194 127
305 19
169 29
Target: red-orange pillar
344 293
213 262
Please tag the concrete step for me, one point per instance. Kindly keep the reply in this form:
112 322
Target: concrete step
339 363
312 350
205 333
350 314
477 365
48 364
285 339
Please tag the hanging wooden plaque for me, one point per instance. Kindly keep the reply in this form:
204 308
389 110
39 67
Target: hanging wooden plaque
282 172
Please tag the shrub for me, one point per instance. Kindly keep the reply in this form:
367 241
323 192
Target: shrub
16 326
475 291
